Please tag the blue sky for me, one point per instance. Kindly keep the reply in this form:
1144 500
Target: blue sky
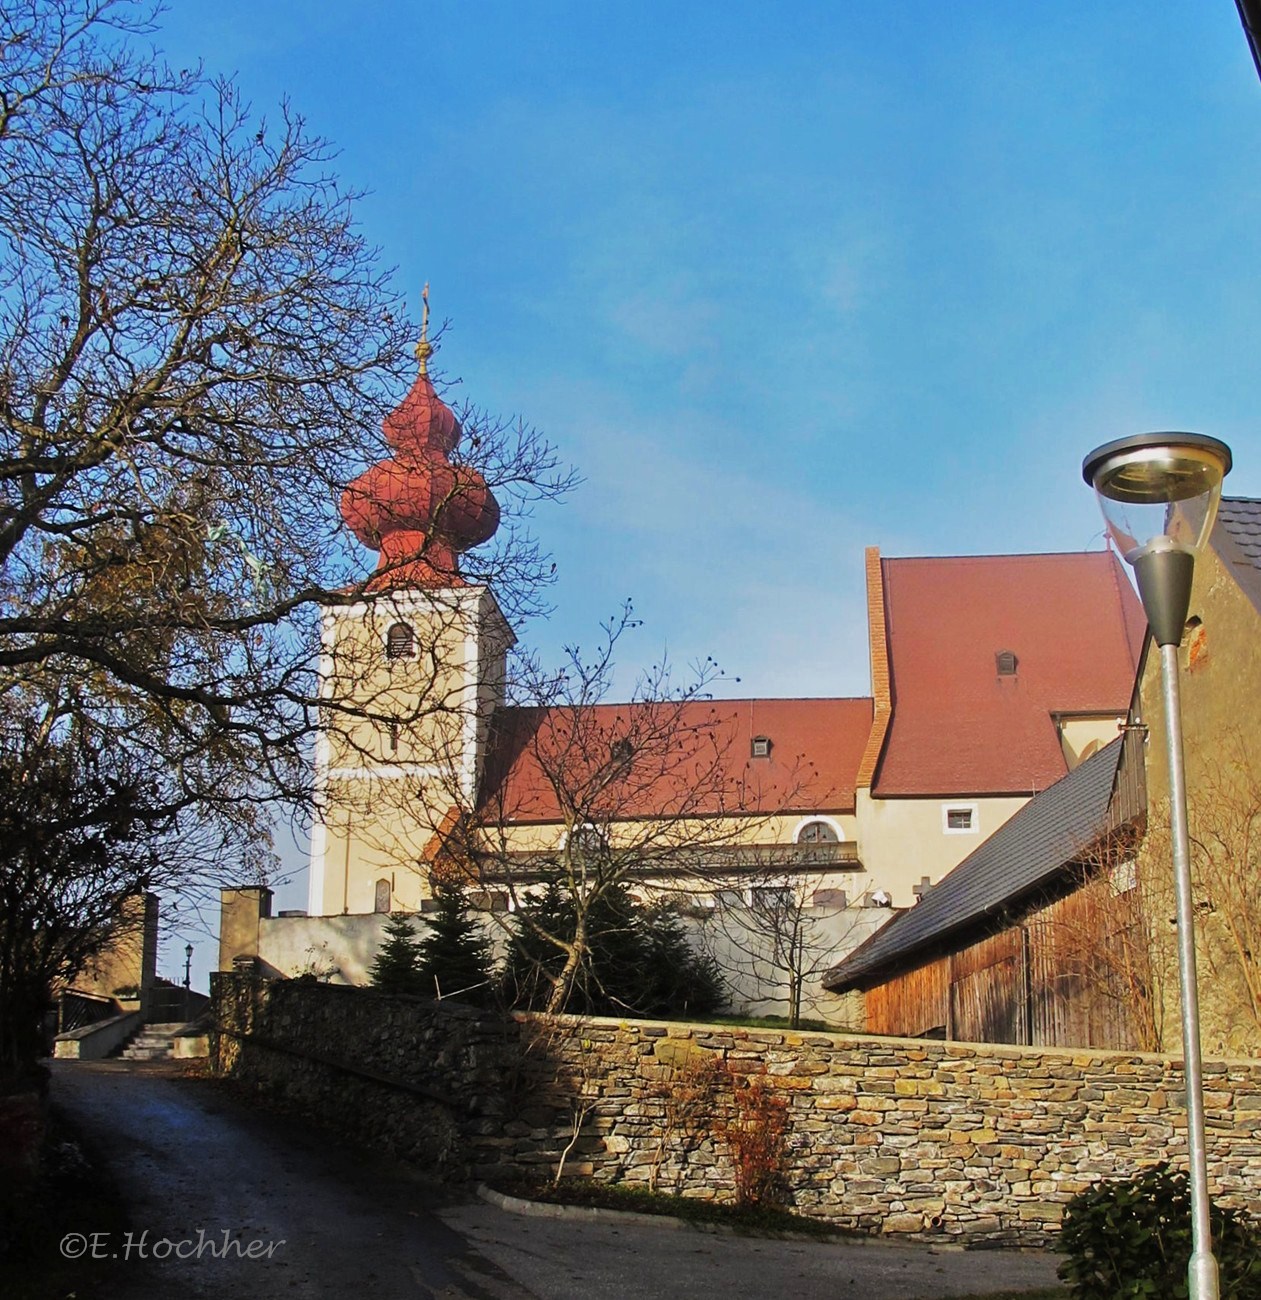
786 281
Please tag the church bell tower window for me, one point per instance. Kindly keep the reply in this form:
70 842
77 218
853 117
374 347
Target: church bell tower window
400 641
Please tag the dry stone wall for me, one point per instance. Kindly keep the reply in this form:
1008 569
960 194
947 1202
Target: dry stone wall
893 1136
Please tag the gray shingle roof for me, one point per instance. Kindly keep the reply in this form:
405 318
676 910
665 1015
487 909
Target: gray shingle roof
1051 830
1237 539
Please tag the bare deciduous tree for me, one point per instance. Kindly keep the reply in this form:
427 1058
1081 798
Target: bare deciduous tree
1225 821
648 796
197 349
774 931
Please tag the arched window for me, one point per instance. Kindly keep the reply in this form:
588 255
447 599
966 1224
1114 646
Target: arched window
400 641
818 833
382 901
587 839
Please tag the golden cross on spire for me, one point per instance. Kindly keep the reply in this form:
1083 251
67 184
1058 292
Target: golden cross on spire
424 349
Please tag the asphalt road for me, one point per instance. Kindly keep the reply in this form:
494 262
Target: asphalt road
228 1201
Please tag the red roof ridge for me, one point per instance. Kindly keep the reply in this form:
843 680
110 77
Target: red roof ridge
1003 555
704 699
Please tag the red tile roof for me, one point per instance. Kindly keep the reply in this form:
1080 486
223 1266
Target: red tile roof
1076 628
688 760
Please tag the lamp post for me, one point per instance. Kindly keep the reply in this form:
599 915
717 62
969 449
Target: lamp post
188 965
1159 493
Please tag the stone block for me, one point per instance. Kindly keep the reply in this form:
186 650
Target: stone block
894 1223
881 1166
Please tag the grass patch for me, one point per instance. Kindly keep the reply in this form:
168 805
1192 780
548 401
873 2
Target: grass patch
762 1220
771 1022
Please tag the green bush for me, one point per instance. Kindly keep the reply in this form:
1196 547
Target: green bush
396 967
1130 1239
454 960
638 961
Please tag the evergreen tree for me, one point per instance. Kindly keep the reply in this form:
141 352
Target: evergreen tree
532 956
679 980
455 958
396 968
638 962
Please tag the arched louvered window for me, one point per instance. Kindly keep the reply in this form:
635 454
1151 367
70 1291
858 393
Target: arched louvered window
400 641
818 833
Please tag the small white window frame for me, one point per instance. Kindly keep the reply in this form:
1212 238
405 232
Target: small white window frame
974 819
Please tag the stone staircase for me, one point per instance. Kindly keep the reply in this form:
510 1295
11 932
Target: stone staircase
151 1043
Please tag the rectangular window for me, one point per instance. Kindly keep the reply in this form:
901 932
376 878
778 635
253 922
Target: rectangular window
959 819
772 898
829 898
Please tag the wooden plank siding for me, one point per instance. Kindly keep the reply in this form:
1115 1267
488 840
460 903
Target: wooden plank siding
1038 982
915 1004
1045 975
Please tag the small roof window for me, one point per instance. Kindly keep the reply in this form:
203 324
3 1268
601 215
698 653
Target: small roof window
761 747
1005 661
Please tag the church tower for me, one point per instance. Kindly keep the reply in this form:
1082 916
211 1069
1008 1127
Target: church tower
415 666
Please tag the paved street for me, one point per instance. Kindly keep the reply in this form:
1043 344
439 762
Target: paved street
201 1173
578 1261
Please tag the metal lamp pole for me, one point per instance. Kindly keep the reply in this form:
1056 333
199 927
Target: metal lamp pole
1159 494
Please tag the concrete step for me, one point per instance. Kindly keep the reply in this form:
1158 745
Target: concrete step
151 1043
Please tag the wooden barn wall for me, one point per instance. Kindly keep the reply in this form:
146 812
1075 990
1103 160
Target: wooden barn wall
1045 982
1049 980
915 1004
1077 991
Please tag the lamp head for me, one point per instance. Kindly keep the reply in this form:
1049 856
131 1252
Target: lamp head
1159 494
1158 490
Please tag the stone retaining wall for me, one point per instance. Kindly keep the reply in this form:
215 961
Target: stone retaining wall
925 1139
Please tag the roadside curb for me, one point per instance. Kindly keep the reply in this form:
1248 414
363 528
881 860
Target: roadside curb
597 1214
590 1213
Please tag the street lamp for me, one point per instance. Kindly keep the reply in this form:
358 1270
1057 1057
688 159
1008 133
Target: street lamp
1159 493
188 965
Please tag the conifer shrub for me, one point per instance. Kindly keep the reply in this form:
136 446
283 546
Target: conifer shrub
396 967
638 961
455 958
1130 1239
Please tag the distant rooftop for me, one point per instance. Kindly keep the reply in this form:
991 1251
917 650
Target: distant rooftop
1237 539
984 649
711 757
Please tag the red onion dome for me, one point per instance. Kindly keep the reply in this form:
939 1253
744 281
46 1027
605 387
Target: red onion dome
417 509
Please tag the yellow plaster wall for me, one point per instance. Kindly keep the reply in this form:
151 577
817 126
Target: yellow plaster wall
901 841
388 778
1220 685
1081 737
130 961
